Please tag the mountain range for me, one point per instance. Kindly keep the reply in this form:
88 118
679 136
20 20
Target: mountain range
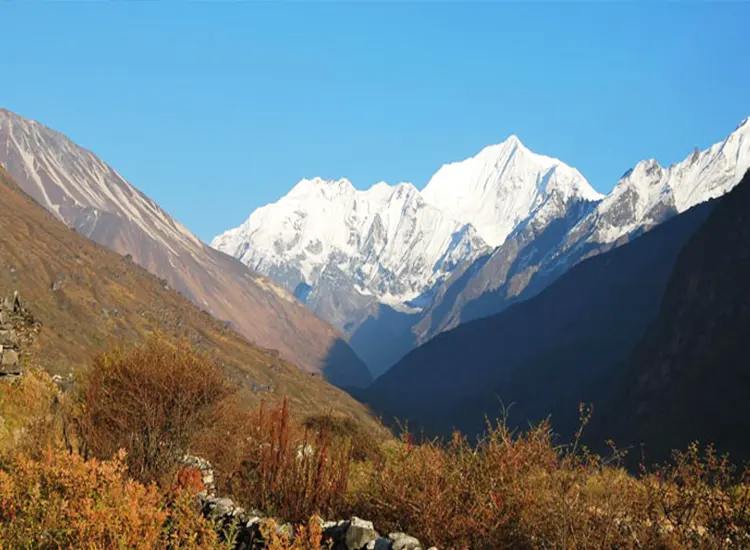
531 258
94 199
507 281
394 267
653 334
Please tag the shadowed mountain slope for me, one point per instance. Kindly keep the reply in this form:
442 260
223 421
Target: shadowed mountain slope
566 345
689 379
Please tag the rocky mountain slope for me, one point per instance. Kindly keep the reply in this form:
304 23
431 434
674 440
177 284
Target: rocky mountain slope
544 355
689 377
91 197
531 258
87 297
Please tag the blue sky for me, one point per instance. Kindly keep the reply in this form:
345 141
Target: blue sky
213 109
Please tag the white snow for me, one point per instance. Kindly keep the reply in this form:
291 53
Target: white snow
501 186
387 239
701 176
396 243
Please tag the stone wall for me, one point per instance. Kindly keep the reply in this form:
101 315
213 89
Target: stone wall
245 525
17 329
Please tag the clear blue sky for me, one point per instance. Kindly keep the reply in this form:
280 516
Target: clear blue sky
214 109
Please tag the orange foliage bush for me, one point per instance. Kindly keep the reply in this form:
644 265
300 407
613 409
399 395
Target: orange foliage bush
155 400
64 501
307 537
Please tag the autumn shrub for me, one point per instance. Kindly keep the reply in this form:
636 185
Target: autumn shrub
32 413
456 495
155 400
365 445
305 537
523 491
699 496
289 471
64 501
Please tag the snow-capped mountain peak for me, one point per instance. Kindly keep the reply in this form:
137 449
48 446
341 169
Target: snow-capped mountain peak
648 193
386 240
500 187
322 187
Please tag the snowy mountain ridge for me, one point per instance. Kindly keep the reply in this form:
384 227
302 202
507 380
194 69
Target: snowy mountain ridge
648 193
394 242
387 239
500 187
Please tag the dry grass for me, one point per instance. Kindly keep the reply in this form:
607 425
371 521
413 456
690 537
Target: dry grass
32 411
510 490
288 470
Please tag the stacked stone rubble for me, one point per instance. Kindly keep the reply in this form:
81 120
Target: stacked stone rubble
10 310
350 534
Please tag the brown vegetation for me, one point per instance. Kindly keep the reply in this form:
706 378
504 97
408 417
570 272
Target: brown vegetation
155 400
290 471
89 298
64 501
511 490
32 411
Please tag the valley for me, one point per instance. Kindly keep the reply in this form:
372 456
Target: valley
375 276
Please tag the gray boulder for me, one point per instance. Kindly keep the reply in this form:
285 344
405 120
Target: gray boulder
402 541
381 543
222 508
359 533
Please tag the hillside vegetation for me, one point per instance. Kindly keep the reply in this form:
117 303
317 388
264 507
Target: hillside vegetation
65 484
88 298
